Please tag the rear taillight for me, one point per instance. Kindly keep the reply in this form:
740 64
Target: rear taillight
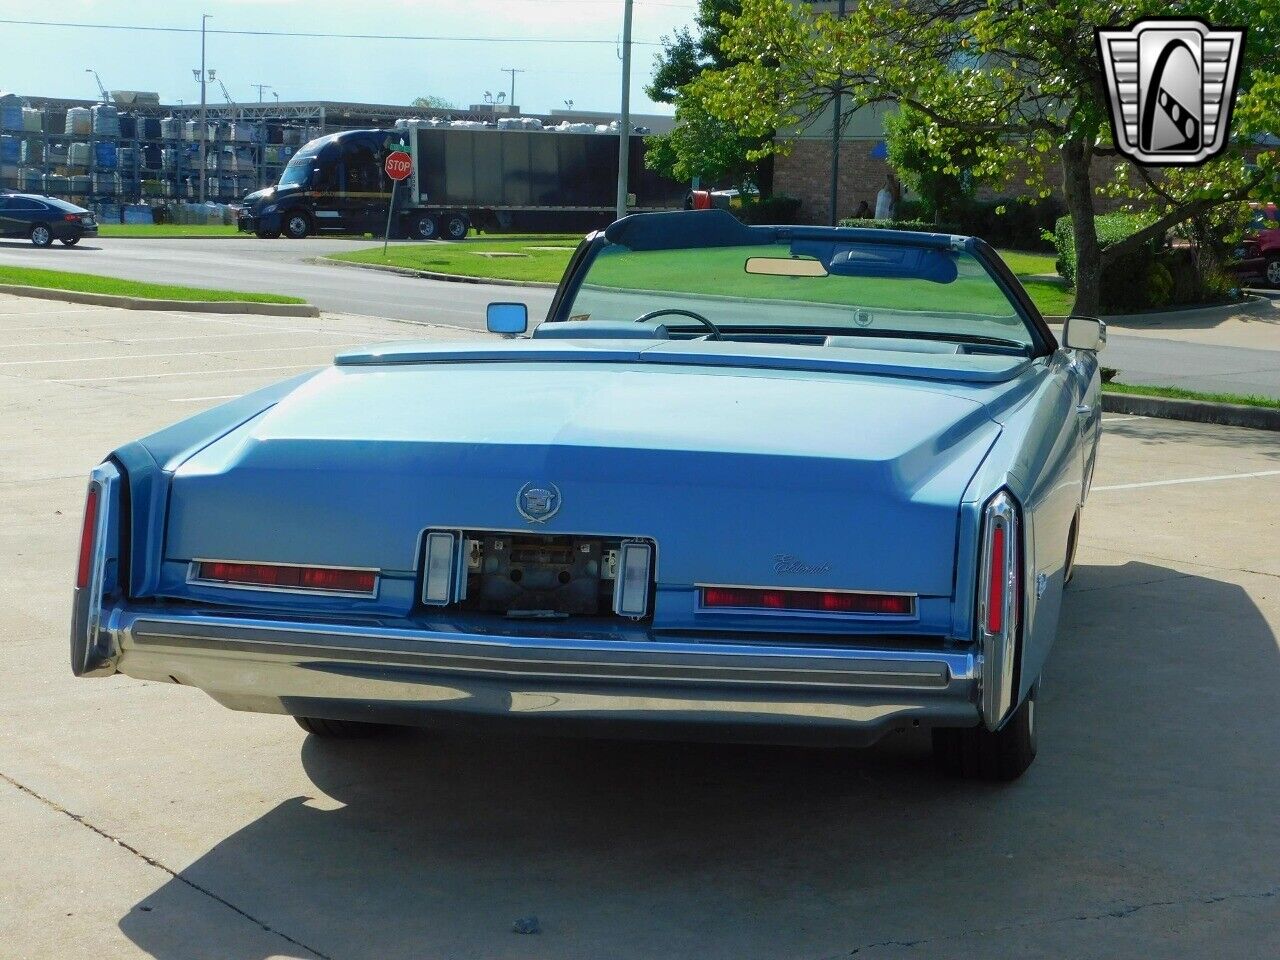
88 536
277 576
808 601
999 604
71 217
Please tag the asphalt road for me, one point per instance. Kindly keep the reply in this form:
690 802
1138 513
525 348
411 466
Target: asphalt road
280 266
143 820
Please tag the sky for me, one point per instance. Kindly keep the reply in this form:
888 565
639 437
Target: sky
50 61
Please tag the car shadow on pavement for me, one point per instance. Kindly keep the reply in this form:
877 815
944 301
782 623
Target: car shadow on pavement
1157 736
19 244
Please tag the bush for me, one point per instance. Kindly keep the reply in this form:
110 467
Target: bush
770 210
1118 290
1016 223
917 225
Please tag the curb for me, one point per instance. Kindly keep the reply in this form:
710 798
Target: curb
212 236
142 303
430 275
1195 411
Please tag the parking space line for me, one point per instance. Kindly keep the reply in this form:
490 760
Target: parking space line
193 336
1169 483
193 353
1122 419
225 396
183 373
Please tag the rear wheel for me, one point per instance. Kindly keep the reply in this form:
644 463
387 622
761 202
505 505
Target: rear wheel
297 226
340 729
1072 538
41 235
1273 271
456 226
70 241
424 226
975 753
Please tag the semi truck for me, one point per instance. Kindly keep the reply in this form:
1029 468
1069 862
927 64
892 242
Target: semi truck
513 177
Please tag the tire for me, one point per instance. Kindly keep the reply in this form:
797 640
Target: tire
41 235
340 729
1272 271
297 225
70 241
975 753
425 226
456 226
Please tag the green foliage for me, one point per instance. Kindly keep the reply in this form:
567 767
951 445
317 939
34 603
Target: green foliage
919 226
686 54
432 102
997 86
703 146
932 164
771 210
1111 229
1016 222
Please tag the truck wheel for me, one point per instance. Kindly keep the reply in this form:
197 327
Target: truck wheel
340 729
456 226
297 225
975 753
41 235
1272 271
424 226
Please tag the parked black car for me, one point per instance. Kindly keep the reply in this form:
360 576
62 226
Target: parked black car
44 219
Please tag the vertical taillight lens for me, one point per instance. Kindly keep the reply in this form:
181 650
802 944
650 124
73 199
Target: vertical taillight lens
88 536
999 604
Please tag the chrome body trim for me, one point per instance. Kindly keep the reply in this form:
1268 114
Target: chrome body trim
999 650
369 670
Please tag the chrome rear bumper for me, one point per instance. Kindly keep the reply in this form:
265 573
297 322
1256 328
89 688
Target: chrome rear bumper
728 690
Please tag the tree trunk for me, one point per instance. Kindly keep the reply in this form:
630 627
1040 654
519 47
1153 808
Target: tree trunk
1077 190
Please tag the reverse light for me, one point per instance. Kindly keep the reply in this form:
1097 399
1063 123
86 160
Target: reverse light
809 601
444 581
278 576
635 572
88 535
999 605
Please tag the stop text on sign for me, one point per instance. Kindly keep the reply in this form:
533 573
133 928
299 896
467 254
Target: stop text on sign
399 165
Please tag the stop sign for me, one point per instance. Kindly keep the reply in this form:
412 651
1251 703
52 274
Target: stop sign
399 165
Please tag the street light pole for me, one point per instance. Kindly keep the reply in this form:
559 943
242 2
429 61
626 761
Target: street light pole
832 213
204 122
624 128
513 71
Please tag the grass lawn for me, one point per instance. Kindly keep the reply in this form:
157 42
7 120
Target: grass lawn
1177 393
91 283
519 258
161 230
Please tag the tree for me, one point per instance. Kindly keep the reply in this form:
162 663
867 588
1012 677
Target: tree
936 170
432 102
1017 82
701 145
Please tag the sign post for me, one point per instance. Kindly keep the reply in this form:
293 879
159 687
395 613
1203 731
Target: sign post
398 167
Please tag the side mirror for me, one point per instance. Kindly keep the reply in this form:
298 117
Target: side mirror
1084 333
507 319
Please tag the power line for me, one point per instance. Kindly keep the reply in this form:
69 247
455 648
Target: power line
320 36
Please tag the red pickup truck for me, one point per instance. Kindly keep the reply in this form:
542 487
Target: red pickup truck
1259 251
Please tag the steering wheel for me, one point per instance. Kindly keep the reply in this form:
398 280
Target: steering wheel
677 312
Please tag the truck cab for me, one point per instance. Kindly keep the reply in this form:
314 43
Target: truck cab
333 184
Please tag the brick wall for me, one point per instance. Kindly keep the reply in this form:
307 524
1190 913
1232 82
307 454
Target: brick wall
805 173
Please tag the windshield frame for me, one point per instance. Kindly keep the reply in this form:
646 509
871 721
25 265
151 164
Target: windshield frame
1044 343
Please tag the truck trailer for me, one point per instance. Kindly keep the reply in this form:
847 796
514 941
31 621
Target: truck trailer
496 178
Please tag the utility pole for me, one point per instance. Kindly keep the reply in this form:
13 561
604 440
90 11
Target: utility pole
624 127
513 71
204 115
261 87
833 215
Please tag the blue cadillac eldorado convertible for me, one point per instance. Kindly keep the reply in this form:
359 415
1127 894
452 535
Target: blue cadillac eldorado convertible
796 484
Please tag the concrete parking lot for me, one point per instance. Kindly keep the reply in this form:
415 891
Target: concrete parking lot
141 819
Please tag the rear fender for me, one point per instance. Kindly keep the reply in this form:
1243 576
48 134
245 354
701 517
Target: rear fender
148 465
